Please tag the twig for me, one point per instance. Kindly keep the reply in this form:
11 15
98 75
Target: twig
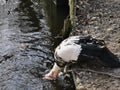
98 72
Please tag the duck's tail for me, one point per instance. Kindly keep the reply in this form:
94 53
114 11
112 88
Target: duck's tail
109 59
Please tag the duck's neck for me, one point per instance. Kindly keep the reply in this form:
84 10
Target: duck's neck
56 69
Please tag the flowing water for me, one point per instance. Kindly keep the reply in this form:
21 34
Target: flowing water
28 31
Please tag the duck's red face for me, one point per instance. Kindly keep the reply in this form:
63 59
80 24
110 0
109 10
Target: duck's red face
50 76
53 73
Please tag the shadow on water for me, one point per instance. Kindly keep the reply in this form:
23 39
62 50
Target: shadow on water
27 41
28 16
55 19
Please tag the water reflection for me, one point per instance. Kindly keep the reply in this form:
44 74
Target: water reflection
55 18
27 39
34 33
28 16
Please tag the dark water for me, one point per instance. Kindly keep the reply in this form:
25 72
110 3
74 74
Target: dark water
29 31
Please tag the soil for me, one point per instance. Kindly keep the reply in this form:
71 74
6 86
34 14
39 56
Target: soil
100 19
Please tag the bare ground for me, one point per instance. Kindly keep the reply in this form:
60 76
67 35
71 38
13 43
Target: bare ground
100 19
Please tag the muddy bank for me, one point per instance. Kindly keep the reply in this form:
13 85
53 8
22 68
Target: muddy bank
100 19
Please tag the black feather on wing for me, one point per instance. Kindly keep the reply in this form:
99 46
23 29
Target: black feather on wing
95 48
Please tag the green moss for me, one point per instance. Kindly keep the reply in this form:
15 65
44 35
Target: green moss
69 22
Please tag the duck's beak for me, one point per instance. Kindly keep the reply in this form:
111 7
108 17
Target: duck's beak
53 72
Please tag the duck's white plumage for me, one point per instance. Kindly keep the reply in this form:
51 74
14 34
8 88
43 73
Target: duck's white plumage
70 40
68 50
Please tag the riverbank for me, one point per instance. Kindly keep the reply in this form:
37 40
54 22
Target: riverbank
100 19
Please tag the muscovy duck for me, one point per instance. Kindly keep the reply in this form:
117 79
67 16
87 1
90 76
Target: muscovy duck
76 48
